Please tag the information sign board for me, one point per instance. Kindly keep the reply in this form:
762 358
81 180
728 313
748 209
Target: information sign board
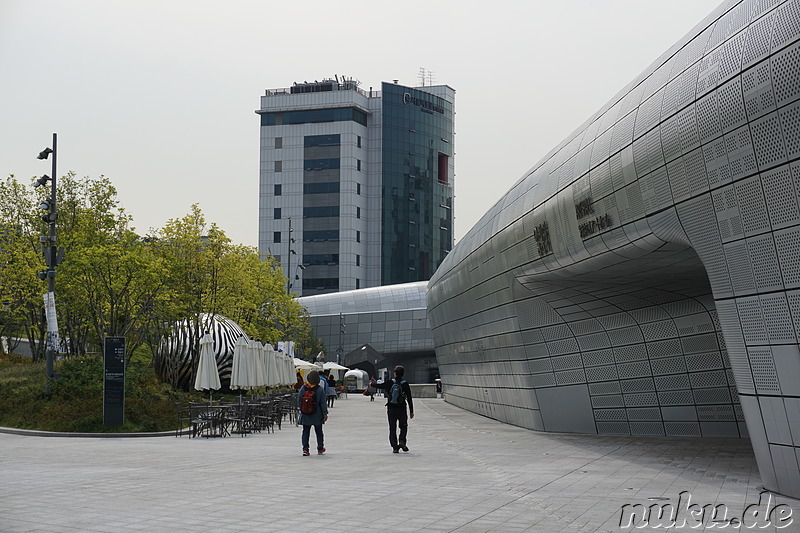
114 382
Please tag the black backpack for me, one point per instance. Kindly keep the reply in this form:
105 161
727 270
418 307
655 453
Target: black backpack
308 403
396 395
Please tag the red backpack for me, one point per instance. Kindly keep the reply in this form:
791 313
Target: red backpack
308 403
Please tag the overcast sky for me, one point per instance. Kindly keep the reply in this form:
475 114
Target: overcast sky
159 95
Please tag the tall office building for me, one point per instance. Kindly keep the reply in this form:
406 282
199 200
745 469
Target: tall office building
356 187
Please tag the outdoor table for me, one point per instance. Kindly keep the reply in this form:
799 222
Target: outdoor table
208 420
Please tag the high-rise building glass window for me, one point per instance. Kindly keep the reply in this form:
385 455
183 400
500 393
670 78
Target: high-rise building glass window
278 166
321 235
358 212
321 164
321 188
339 114
321 212
358 164
276 213
358 283
358 188
276 237
320 259
321 140
320 283
278 142
358 236
358 141
278 190
358 260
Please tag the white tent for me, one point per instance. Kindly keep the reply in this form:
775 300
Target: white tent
330 365
305 365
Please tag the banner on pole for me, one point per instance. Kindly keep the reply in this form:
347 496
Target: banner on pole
52 321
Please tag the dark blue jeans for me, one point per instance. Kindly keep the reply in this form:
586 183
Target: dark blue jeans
307 434
397 416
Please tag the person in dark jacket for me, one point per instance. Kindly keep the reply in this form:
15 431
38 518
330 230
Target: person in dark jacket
318 417
397 413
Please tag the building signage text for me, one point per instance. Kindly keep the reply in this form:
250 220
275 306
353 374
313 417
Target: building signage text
585 208
424 104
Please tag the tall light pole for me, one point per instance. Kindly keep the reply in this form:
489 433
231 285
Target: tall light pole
342 330
289 260
51 253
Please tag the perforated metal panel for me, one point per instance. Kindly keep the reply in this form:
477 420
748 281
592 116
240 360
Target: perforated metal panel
672 382
786 66
781 196
790 124
788 248
758 40
607 401
613 428
757 89
768 141
777 319
764 375
682 429
731 105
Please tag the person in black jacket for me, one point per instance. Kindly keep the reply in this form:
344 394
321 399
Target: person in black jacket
397 412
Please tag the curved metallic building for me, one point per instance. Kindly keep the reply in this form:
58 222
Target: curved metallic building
644 277
391 320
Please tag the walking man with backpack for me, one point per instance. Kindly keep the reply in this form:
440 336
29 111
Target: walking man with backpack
313 411
398 396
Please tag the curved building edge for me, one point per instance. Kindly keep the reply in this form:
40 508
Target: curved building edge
643 278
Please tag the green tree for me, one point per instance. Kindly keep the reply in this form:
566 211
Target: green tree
109 279
21 304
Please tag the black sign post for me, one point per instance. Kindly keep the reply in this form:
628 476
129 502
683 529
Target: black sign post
114 382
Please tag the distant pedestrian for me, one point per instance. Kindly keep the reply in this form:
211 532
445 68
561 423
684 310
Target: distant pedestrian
370 390
299 382
313 411
399 394
331 390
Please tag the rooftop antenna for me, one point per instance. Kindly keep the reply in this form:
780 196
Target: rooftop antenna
425 76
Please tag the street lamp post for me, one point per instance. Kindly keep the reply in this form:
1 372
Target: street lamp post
342 330
51 253
300 266
289 242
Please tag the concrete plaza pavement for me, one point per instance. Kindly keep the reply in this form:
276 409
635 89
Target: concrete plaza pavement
463 473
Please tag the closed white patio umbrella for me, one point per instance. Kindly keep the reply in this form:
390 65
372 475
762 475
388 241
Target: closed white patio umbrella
207 377
252 361
237 375
273 377
262 368
289 369
287 363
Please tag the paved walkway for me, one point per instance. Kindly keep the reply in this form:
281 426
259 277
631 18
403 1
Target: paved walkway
464 473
